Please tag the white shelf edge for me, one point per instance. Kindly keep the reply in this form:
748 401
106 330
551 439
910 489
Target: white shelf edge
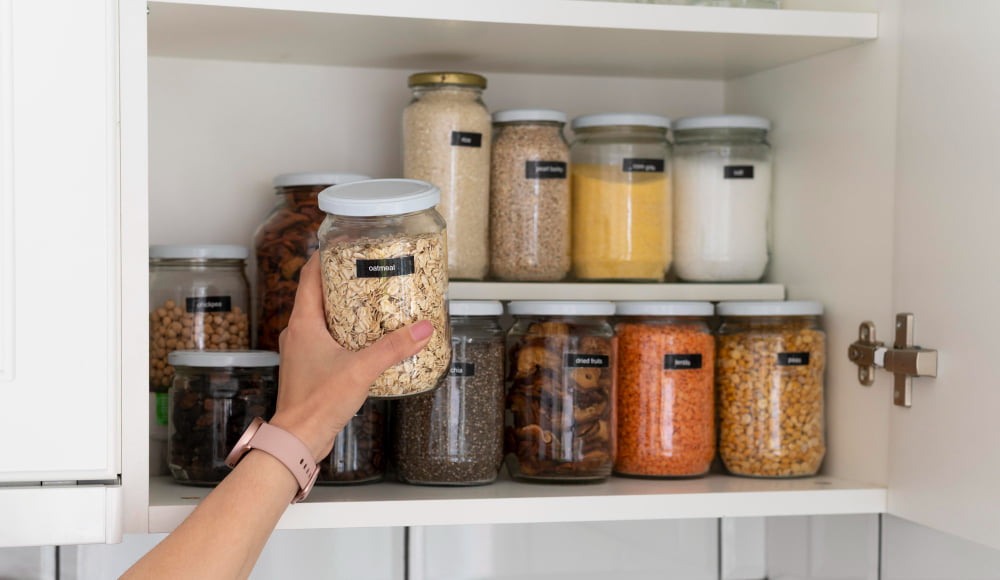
395 504
594 291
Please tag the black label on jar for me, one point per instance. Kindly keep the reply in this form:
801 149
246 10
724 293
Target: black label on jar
209 304
385 268
737 172
681 362
462 139
545 170
793 359
589 361
643 165
462 369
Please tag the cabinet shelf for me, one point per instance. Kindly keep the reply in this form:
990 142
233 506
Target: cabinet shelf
598 291
507 501
528 36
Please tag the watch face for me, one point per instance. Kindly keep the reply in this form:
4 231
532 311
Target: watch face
243 445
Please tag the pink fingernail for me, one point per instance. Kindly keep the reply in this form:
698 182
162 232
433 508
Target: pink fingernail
421 330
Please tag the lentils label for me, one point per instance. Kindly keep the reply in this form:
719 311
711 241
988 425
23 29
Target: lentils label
588 361
544 170
385 268
208 304
793 359
737 172
462 369
681 362
462 139
630 165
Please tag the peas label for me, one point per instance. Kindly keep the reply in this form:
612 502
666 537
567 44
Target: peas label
162 408
793 359
545 170
461 139
208 304
462 369
643 165
737 172
591 361
385 268
681 362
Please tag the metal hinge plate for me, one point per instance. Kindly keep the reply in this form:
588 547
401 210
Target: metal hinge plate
904 359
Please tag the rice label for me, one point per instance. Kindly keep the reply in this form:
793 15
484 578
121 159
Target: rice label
793 359
208 304
545 170
681 362
737 172
590 361
462 369
630 165
462 139
385 268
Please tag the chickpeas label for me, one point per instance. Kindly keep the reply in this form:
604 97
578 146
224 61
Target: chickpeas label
208 304
589 361
385 268
793 359
681 362
630 165
462 369
544 170
463 139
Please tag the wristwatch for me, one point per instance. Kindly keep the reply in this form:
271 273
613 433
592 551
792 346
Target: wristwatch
283 446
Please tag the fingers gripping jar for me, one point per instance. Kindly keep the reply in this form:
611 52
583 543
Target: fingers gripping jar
384 256
769 371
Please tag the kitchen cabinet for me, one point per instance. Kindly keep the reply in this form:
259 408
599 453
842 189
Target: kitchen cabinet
191 109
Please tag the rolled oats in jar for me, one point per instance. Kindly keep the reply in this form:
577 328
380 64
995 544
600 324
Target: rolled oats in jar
383 253
769 373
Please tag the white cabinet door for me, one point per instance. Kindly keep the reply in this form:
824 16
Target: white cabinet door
944 465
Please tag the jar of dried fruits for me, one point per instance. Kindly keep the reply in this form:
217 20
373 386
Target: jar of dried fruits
384 262
561 385
283 243
359 453
213 399
770 365
666 406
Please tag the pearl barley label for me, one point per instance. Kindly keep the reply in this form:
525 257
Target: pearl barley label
385 268
544 170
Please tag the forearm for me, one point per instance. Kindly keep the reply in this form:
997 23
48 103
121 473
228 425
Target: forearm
227 531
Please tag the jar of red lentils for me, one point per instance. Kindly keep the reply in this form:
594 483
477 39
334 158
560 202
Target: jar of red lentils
665 399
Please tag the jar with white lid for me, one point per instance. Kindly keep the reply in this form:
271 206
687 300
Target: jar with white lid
282 244
529 196
384 262
770 362
561 390
446 141
621 197
213 399
722 186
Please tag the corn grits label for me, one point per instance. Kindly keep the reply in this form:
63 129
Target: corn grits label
208 304
462 369
590 361
385 268
463 139
793 359
545 170
737 172
633 165
681 362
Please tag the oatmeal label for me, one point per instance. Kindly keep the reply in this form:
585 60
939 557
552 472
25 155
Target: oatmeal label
643 165
737 172
462 369
209 304
462 139
681 362
385 268
589 361
545 170
793 359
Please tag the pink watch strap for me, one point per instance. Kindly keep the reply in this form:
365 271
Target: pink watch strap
286 448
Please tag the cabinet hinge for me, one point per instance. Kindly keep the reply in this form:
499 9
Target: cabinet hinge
904 359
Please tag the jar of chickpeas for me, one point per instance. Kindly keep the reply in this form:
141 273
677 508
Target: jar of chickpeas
769 378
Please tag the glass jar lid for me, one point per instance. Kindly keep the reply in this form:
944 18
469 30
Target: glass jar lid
223 358
621 119
722 122
561 308
446 78
299 179
475 308
515 115
199 252
650 308
784 308
379 197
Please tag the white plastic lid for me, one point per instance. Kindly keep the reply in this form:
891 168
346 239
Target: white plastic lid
511 115
722 122
664 308
788 308
618 119
561 308
296 179
375 197
475 308
223 358
203 252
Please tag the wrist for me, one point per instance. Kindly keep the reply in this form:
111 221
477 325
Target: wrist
313 437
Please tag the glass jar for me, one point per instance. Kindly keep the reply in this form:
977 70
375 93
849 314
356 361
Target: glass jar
359 453
769 372
561 388
722 212
621 197
666 400
529 196
384 256
454 435
282 244
446 141
214 397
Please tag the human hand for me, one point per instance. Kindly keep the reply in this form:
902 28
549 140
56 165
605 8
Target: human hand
321 384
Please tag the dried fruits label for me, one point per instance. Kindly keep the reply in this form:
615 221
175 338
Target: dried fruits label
462 369
463 139
680 362
545 170
793 359
589 361
737 172
209 304
385 268
635 165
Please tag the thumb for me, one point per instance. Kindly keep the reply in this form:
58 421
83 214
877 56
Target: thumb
393 348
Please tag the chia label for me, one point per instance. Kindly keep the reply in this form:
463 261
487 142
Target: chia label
737 172
462 139
385 268
793 359
588 361
462 369
545 170
208 304
681 362
630 165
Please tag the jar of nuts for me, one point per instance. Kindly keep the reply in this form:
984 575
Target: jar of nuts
359 453
770 362
561 384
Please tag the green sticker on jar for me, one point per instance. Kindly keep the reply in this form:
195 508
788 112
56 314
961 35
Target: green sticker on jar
162 404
